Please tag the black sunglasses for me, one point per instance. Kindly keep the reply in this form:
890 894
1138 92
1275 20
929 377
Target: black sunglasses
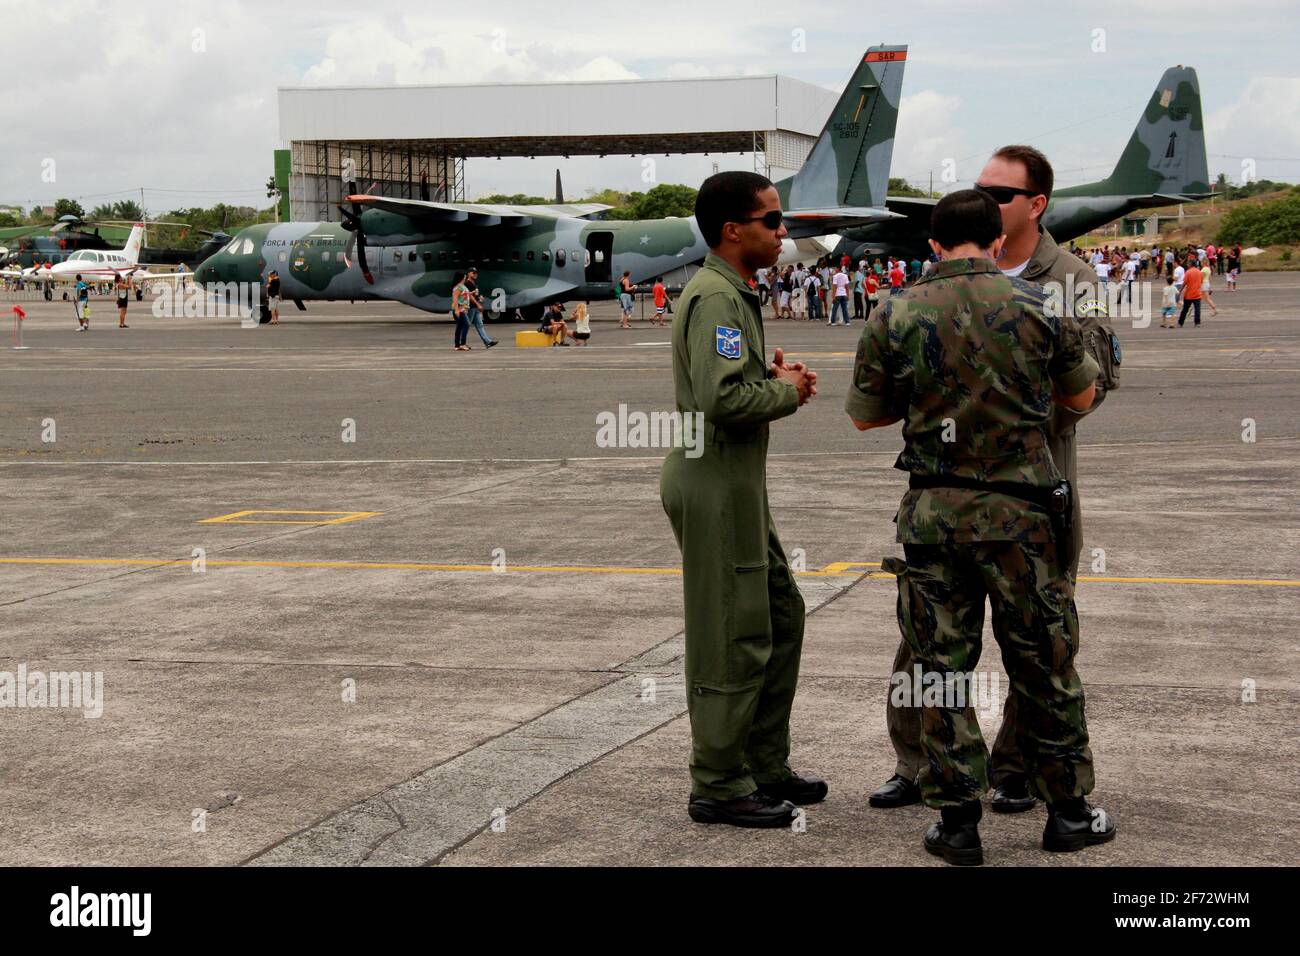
772 219
1004 194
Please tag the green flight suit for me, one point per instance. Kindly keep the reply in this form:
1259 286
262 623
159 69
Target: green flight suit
744 613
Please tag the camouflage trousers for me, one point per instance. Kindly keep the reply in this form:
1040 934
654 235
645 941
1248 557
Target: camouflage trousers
941 594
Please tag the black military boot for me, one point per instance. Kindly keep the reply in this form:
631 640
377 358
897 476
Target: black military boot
799 789
757 810
956 836
1012 796
1074 824
897 791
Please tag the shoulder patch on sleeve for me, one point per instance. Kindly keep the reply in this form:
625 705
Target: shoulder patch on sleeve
729 342
1091 307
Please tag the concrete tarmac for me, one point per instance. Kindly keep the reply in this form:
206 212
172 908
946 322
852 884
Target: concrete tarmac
359 599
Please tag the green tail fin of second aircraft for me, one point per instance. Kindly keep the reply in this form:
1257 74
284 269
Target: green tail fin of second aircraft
849 163
1166 153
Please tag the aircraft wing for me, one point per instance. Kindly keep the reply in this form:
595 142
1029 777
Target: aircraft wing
145 275
911 205
572 210
801 223
445 215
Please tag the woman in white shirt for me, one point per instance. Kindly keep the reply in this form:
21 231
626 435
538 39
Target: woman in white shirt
582 323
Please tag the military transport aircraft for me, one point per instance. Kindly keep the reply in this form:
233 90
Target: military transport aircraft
407 250
1163 164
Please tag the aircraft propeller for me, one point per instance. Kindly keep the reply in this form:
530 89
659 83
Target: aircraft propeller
352 223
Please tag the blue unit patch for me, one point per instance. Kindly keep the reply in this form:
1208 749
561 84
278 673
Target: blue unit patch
1114 347
729 343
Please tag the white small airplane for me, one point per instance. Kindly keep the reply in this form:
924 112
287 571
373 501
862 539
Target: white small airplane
99 265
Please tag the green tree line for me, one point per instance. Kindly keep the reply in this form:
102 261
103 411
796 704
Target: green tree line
1275 223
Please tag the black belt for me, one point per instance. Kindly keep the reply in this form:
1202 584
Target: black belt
1055 500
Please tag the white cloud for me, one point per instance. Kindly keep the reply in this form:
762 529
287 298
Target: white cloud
928 136
1263 122
118 97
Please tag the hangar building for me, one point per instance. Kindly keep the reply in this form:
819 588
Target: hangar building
399 137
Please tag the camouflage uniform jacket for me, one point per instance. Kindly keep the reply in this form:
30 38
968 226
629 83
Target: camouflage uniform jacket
968 358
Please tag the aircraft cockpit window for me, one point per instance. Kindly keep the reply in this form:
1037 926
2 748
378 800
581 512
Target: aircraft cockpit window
559 257
246 247
233 247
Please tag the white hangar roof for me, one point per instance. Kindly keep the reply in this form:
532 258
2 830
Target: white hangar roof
504 119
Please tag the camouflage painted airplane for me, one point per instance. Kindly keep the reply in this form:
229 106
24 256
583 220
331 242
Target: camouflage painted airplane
407 250
1163 164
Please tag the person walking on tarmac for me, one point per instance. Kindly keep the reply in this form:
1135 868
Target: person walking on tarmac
122 287
744 613
986 516
82 291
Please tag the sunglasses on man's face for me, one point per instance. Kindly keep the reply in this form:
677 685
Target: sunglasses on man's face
1004 194
772 219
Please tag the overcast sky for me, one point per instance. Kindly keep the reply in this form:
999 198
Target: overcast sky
109 97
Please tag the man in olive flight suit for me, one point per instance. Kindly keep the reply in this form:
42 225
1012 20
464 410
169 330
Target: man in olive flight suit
744 613
972 362
1020 180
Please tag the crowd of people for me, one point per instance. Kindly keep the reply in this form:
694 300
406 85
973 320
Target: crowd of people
826 290
1187 270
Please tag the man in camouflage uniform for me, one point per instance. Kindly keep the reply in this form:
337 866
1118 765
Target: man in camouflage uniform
972 362
1020 180
744 613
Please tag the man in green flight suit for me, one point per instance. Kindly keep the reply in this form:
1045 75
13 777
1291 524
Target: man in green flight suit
1020 180
973 361
744 613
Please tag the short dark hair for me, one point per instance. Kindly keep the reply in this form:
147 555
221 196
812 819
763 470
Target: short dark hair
726 197
966 215
1038 171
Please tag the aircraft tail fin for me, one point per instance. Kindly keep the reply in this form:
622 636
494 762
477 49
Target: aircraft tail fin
849 163
133 243
1166 153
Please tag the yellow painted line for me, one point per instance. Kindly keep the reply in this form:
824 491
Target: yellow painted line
841 569
241 517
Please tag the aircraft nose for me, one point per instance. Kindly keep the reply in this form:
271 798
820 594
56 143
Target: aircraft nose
207 272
